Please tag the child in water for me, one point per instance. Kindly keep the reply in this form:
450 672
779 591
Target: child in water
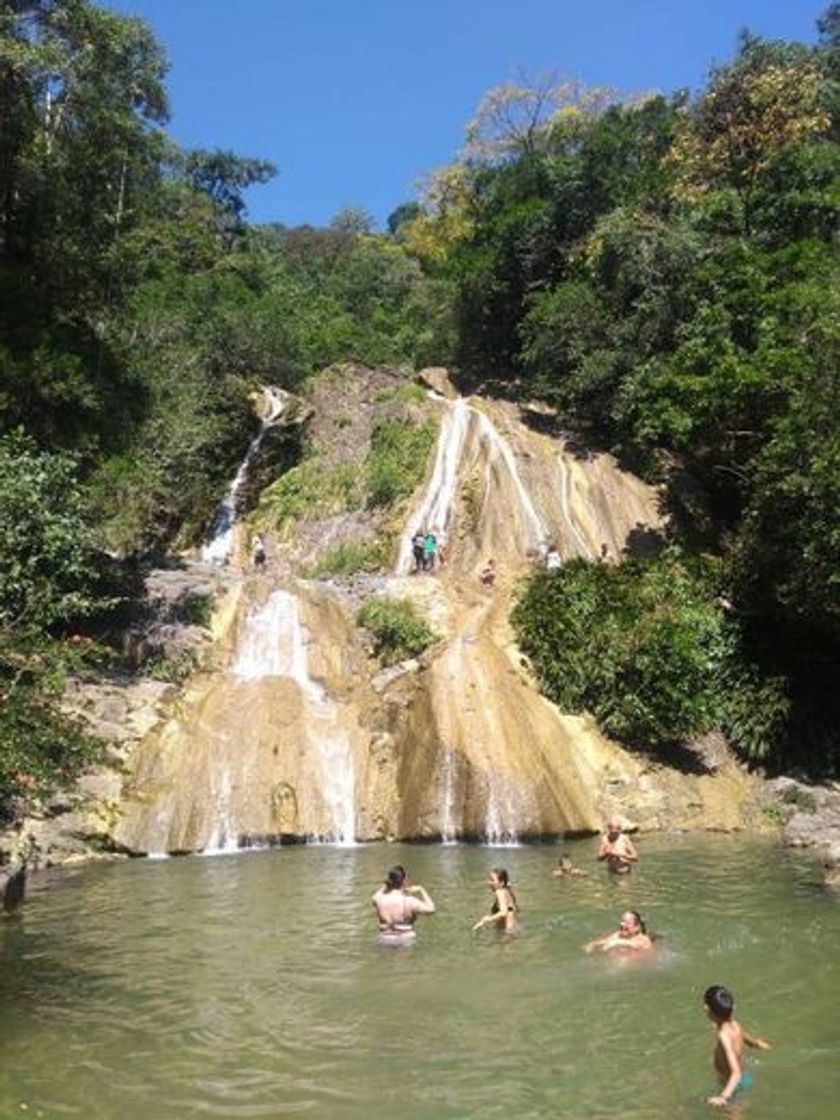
566 870
729 1048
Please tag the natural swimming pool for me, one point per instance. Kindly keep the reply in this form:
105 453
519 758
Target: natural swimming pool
253 986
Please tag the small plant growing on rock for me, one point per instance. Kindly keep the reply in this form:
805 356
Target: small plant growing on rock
396 629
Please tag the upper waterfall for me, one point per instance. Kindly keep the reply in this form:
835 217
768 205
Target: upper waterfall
219 543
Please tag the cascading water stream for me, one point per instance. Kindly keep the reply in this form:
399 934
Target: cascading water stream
219 543
565 504
274 645
435 509
448 824
503 449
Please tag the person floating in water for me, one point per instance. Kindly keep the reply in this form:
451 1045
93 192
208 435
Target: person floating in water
397 907
631 935
566 870
258 551
504 909
729 1048
488 573
617 849
417 542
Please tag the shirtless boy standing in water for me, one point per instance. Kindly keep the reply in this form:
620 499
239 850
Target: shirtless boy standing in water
731 1040
617 849
397 906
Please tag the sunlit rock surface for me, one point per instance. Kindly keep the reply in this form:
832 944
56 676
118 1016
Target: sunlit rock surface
297 734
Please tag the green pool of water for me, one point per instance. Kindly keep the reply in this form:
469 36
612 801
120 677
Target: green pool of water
252 986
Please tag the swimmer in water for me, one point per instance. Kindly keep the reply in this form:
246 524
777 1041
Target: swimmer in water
503 911
617 849
566 870
631 935
397 907
729 1048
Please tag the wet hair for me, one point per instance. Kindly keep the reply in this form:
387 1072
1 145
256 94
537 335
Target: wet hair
395 877
504 881
638 918
719 1001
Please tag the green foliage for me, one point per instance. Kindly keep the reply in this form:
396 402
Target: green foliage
50 574
396 462
173 668
197 610
396 629
645 647
352 557
312 490
50 578
41 749
407 392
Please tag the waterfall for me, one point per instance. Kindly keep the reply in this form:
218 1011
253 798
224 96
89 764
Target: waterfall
436 507
499 831
224 837
565 504
448 824
274 644
502 448
219 544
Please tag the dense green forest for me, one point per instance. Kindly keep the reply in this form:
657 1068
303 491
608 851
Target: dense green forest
662 270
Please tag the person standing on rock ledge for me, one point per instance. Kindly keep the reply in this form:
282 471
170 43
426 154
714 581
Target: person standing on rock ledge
617 849
258 551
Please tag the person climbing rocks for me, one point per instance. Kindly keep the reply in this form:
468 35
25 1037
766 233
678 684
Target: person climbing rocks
258 551
488 574
430 547
417 547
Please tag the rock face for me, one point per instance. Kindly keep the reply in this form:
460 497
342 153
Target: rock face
289 730
296 734
813 819
12 887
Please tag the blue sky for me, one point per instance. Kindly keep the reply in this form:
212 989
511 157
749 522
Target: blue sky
355 99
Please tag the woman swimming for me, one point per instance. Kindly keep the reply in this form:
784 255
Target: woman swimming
631 935
503 911
397 906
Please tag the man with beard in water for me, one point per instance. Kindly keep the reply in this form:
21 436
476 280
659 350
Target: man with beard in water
617 849
397 906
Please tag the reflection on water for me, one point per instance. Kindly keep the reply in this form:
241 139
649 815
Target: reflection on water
253 986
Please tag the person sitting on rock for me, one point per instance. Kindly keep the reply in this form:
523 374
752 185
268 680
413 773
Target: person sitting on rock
488 573
553 562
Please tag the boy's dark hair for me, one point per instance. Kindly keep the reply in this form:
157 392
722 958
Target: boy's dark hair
719 1001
